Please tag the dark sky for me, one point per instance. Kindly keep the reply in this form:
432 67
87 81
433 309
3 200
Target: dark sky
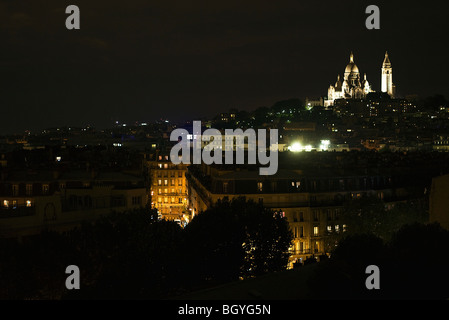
138 60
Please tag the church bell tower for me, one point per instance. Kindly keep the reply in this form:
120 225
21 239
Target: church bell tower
387 77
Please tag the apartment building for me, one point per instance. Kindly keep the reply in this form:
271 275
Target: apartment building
36 200
167 184
311 199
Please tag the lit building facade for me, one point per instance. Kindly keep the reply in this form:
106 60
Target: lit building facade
350 87
167 187
387 77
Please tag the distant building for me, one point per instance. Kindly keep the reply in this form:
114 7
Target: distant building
32 201
314 102
350 87
353 87
441 143
387 77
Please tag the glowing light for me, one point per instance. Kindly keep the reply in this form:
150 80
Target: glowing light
295 147
308 148
324 145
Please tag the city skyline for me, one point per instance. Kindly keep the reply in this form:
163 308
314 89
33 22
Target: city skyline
144 61
231 150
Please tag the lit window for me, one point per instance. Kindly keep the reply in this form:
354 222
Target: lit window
337 228
259 186
159 182
28 203
315 231
165 165
6 203
329 228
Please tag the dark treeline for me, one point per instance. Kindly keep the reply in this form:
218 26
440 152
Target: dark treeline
134 256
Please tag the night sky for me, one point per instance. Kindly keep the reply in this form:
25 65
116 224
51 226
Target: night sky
138 60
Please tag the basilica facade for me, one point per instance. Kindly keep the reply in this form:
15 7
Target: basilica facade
352 86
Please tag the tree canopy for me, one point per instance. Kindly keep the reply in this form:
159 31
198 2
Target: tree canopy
237 239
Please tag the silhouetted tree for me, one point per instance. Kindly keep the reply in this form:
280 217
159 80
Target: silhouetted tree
418 253
235 239
343 275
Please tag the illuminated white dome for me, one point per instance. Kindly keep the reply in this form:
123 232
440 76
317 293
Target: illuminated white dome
351 67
